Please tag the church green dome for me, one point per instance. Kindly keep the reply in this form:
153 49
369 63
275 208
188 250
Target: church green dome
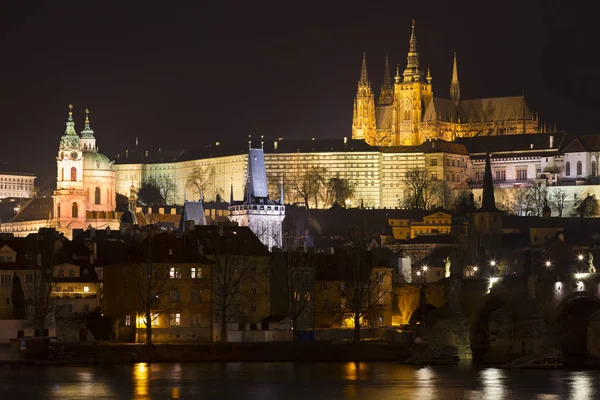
96 161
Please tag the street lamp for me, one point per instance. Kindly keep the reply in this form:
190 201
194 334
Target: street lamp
580 257
425 273
548 263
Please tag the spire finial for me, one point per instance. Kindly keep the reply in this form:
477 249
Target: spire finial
454 86
364 76
70 112
412 72
429 78
387 93
249 141
87 116
397 77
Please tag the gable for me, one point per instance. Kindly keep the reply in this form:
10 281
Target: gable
574 147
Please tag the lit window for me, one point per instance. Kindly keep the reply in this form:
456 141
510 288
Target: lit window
154 321
128 320
175 319
196 273
175 273
86 289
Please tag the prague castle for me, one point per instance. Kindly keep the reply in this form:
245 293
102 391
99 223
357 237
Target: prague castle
407 113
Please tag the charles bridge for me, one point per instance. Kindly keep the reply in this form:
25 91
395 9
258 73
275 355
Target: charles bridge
500 319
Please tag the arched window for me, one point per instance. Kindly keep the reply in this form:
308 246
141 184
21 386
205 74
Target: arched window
97 196
74 211
73 173
58 211
568 169
62 175
579 168
594 170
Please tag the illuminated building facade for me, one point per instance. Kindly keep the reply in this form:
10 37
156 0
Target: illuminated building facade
18 185
407 113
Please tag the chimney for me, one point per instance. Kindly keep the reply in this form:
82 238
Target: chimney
345 140
275 144
551 141
146 153
126 153
531 145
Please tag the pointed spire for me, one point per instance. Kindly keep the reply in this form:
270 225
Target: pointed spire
364 76
488 203
397 77
429 78
454 86
387 95
231 195
87 132
70 123
412 72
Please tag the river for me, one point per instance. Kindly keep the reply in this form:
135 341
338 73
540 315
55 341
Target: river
291 381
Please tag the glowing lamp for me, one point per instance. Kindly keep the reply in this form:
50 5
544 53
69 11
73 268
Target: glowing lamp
493 263
548 263
580 257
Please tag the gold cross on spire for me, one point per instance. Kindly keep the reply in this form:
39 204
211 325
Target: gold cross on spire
70 110
87 116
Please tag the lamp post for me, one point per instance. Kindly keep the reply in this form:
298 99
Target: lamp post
425 273
492 266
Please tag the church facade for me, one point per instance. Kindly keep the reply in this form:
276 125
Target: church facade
407 113
85 194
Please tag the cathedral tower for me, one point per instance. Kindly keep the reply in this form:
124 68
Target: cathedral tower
454 87
412 94
363 119
386 97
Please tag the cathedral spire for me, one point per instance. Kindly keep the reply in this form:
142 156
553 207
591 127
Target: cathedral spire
364 76
454 86
488 203
70 123
412 72
386 96
429 78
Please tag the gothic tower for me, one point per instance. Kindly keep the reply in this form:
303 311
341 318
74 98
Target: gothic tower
363 119
412 94
454 87
386 97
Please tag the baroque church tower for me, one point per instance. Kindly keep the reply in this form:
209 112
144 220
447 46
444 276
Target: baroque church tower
363 120
85 182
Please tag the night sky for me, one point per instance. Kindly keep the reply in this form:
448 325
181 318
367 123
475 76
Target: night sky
189 75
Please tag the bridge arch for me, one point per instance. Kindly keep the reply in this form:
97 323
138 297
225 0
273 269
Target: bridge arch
568 325
479 335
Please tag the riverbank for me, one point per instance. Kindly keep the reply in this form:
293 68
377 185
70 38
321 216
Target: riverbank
263 352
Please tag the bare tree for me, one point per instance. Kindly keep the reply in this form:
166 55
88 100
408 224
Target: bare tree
309 185
587 207
167 187
558 197
42 307
362 289
150 194
147 281
202 179
339 191
537 198
424 190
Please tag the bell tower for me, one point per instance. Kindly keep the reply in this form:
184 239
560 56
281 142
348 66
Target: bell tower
69 197
412 94
363 118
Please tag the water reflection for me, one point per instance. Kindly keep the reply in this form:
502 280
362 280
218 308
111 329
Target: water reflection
581 386
492 380
140 380
360 381
425 380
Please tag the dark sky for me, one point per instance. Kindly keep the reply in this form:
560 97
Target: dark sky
183 74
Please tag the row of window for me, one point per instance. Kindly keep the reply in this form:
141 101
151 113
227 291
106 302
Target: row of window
16 187
195 273
195 297
30 180
580 168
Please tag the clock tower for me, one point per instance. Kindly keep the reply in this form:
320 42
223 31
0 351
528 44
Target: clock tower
69 196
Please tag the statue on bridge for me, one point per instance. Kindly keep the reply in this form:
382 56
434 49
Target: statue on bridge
447 264
592 269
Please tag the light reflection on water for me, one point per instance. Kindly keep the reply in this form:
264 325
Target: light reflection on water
291 381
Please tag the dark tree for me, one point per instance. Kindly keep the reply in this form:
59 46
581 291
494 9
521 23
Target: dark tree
17 297
122 202
150 194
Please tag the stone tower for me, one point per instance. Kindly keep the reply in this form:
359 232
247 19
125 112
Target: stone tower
412 94
363 118
386 95
261 214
